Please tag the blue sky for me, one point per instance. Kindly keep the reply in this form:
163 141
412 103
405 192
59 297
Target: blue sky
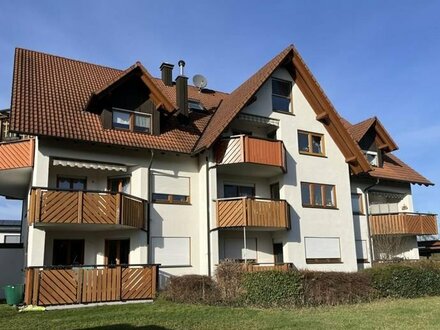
371 57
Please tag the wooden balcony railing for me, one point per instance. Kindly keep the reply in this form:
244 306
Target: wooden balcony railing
252 212
46 286
264 267
403 224
248 149
86 207
16 154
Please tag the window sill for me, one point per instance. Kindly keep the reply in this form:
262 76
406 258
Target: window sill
324 261
312 154
320 207
284 112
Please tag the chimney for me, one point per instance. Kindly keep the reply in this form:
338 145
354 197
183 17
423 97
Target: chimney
167 73
182 91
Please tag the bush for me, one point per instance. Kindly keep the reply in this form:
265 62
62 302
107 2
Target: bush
192 289
272 288
334 288
229 277
406 280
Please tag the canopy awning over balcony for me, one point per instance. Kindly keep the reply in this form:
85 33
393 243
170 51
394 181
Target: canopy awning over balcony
90 165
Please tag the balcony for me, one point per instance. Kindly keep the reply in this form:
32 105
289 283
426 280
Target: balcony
48 286
403 224
16 162
53 206
257 213
255 152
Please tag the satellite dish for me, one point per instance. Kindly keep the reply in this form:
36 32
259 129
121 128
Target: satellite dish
200 81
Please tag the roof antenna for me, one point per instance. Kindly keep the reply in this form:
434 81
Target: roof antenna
200 81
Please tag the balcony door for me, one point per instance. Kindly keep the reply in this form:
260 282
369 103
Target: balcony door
119 184
278 253
117 251
68 252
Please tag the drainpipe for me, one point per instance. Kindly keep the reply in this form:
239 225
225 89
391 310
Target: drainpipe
208 215
367 214
149 205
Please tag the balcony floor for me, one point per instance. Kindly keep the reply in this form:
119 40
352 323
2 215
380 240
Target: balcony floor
249 169
14 183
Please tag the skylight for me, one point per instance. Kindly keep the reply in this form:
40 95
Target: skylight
195 105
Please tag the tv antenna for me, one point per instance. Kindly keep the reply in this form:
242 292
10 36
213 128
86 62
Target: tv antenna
200 81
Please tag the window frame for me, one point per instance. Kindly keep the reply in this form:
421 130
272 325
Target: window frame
132 121
323 195
70 179
290 97
238 186
310 136
360 203
374 153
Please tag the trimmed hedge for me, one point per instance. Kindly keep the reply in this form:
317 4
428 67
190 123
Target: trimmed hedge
292 288
406 280
273 288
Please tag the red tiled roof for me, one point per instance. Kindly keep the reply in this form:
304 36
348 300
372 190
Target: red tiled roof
395 169
359 130
50 94
232 105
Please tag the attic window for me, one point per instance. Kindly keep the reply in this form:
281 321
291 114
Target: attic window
281 95
132 121
194 105
372 158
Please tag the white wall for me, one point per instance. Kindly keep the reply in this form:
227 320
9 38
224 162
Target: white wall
332 169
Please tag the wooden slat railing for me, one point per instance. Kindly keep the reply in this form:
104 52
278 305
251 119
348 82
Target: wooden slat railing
17 154
46 286
252 212
85 207
403 224
264 267
248 149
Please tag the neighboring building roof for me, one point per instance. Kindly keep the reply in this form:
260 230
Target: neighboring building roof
10 223
10 226
50 94
395 169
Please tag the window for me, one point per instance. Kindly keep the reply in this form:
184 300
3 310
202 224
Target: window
275 191
72 183
320 250
171 251
310 143
121 184
133 121
372 158
171 189
318 195
281 95
195 105
117 251
68 252
278 253
356 204
232 190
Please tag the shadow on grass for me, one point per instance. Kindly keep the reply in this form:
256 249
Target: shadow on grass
127 326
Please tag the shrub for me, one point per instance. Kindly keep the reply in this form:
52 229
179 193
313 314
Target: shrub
407 280
192 289
272 288
229 277
333 288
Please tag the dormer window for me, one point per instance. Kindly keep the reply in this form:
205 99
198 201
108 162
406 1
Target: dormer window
372 157
194 105
130 120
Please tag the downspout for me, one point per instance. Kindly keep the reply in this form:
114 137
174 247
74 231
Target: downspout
367 214
149 205
208 216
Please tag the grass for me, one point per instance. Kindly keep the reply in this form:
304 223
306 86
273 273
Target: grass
422 313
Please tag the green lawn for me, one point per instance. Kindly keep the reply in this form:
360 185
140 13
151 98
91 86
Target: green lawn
421 313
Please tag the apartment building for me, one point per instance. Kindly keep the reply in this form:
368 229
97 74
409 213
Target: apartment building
121 168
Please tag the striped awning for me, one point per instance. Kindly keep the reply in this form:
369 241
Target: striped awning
90 165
